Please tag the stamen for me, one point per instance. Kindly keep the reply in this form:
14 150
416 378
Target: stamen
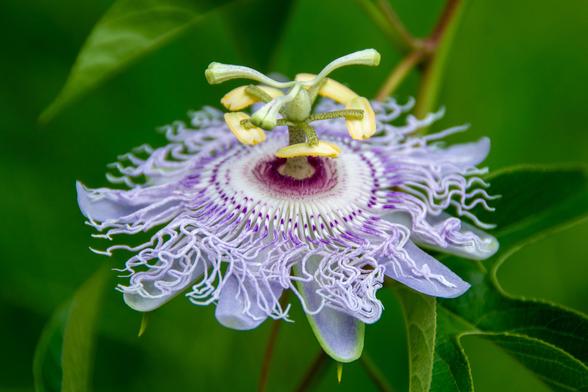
245 96
240 125
321 149
364 128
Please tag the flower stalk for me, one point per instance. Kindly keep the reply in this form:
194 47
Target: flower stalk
386 18
440 44
398 74
429 54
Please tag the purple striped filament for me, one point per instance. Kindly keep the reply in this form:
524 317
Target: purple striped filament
229 228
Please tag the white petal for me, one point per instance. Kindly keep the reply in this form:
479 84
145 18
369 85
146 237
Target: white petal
109 204
232 310
151 295
466 155
339 334
468 242
425 274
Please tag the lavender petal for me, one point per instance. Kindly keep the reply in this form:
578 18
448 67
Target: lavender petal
423 273
110 204
243 306
463 239
340 335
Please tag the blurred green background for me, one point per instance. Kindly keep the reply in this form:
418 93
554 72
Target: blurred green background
518 72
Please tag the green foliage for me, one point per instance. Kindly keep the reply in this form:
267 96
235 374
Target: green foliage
548 339
257 27
420 315
63 360
127 32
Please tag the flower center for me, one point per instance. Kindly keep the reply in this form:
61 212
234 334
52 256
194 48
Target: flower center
298 168
321 177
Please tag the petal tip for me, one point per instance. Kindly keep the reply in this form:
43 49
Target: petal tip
239 322
143 304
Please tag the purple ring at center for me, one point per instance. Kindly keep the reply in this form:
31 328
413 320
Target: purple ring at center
322 180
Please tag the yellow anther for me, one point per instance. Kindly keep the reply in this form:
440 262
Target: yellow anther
322 149
238 99
330 89
247 135
366 127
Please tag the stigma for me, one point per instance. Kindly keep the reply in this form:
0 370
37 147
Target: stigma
290 104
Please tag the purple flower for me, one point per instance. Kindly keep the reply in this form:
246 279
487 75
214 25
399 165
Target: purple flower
227 227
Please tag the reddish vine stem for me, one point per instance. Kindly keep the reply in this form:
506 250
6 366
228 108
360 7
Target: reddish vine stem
314 372
399 73
270 348
268 355
439 44
424 52
443 22
375 374
394 20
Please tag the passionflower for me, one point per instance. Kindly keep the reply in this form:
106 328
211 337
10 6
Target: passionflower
323 203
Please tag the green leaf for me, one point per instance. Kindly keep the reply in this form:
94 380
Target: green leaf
549 340
63 359
129 30
420 315
554 366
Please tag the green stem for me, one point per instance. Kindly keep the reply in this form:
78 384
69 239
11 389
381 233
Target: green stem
267 357
375 373
314 372
399 73
384 16
298 167
296 135
440 41
396 23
